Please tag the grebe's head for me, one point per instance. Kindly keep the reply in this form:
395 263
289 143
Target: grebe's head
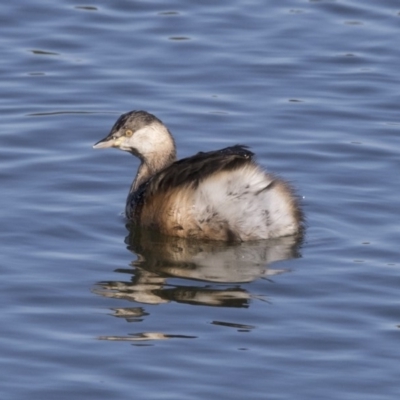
141 134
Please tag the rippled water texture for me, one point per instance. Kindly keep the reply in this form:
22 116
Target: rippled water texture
92 309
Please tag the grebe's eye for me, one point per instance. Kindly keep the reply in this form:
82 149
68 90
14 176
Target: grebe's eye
128 133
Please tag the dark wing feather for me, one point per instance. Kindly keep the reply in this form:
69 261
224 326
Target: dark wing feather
187 172
192 170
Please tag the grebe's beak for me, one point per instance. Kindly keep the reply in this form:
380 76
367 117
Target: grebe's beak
108 141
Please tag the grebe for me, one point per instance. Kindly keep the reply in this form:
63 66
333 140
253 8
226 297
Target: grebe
217 195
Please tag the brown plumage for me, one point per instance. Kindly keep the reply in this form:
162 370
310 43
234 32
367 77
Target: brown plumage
219 195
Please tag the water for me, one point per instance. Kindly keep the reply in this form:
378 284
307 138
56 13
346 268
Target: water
89 310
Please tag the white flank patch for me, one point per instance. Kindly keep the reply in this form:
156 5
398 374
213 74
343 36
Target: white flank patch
242 198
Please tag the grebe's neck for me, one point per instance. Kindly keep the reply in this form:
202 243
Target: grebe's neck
153 163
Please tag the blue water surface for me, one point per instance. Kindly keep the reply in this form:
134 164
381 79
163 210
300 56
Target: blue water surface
93 310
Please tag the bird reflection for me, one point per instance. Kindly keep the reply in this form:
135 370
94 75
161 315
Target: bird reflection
172 269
